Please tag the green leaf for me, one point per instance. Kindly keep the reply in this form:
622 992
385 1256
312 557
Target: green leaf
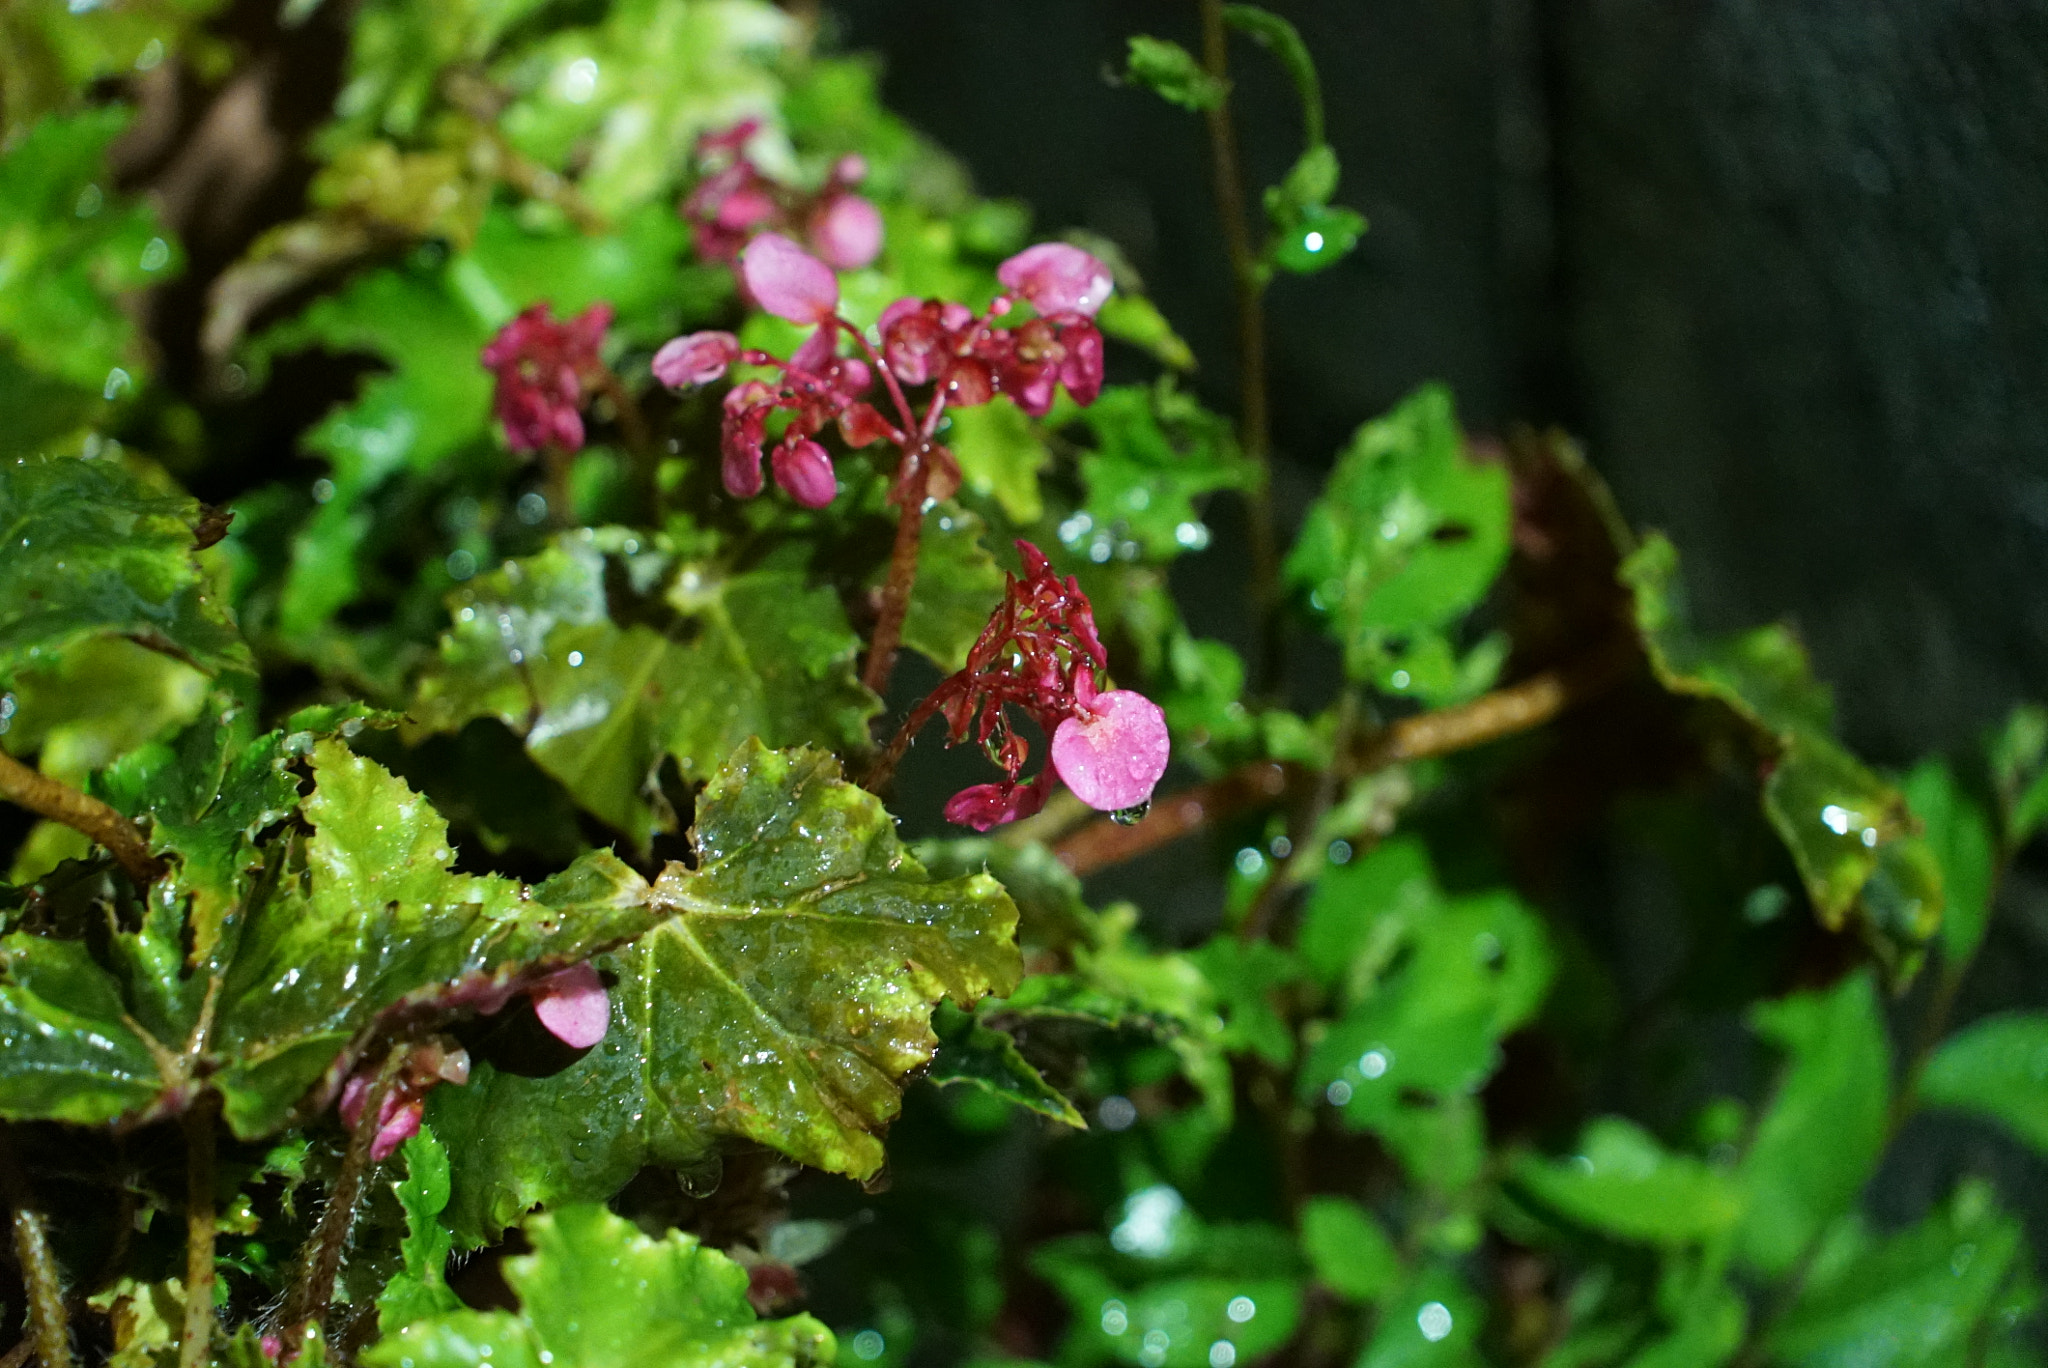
1171 72
92 551
1849 832
1960 835
1922 1296
420 1289
1996 1068
1316 239
958 586
347 930
96 702
1244 975
2019 765
1128 316
788 991
596 1293
1348 1250
68 250
1001 453
1821 1137
1156 451
1623 1183
760 654
974 1053
1165 1288
1406 537
1434 1323
1709 1330
1281 38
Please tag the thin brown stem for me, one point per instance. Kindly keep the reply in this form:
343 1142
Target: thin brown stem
49 1324
1254 420
320 1263
19 1354
895 607
58 801
199 1232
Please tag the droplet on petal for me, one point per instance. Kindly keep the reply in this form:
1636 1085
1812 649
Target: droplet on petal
573 1005
787 281
804 471
695 359
1113 756
846 230
1058 278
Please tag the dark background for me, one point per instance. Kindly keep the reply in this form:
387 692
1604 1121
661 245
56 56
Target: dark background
1782 265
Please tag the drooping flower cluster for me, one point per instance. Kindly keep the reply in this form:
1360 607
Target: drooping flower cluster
545 371
965 358
735 201
1040 654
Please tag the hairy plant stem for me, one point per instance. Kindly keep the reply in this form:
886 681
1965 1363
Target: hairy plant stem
1254 420
49 1325
58 801
199 1231
19 1354
320 1262
895 606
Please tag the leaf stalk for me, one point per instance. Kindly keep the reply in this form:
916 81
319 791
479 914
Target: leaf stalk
58 801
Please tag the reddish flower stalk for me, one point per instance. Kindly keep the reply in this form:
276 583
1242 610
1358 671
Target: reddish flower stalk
1040 654
963 357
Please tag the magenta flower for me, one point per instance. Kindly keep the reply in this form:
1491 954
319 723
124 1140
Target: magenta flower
787 281
429 1064
1112 751
804 471
573 1005
696 359
845 230
735 200
1057 278
542 369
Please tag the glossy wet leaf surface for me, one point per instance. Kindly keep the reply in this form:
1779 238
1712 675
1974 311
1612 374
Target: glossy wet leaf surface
786 994
1995 1068
597 1293
975 1054
1156 452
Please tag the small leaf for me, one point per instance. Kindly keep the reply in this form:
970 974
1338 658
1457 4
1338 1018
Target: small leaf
1157 451
1317 239
595 1291
1960 836
1996 1068
1623 1183
787 993
1171 72
1821 1137
420 1289
1348 1250
974 1053
2019 765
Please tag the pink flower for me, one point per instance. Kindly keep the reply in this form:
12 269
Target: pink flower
846 230
1112 752
573 1005
430 1063
542 367
991 805
787 281
695 359
1057 278
804 470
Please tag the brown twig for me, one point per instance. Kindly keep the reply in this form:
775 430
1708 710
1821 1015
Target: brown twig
19 1354
1254 422
895 606
199 1231
320 1263
58 801
1504 712
48 1322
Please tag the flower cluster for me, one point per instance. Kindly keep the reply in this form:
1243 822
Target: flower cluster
544 371
966 359
734 201
1040 653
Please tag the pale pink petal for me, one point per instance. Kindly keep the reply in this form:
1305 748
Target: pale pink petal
846 231
787 281
1112 756
695 359
403 1126
1057 278
573 1005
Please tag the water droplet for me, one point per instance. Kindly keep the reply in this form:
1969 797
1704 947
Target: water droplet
1434 1321
1241 1309
1131 816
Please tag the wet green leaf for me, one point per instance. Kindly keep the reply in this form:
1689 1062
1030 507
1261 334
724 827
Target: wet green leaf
93 551
97 701
1709 1330
789 990
1820 1139
958 586
1960 836
1171 72
596 1293
1849 832
1407 536
1244 975
1316 239
356 927
1130 317
420 1289
1156 451
1996 1068
973 1053
1001 454
1348 1250
2019 768
1623 1183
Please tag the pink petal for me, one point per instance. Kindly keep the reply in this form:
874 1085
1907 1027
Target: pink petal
1057 278
787 281
1112 756
403 1126
846 231
805 471
991 805
695 359
815 355
573 1005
